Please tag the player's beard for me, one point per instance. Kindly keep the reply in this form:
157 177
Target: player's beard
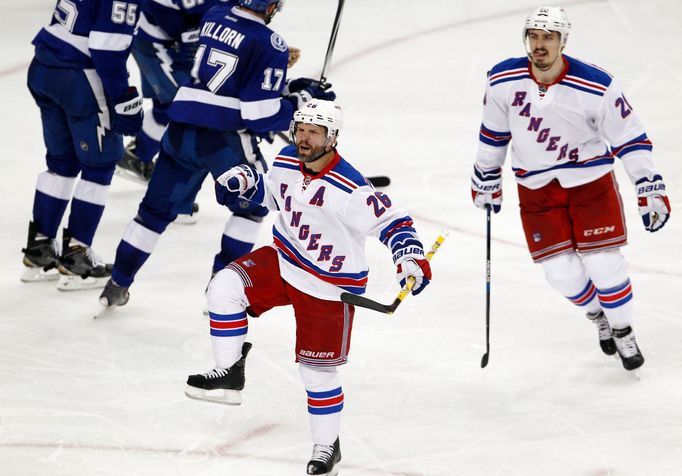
543 64
311 153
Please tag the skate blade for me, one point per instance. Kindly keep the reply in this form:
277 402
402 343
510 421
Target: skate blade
76 283
37 275
131 176
222 396
184 219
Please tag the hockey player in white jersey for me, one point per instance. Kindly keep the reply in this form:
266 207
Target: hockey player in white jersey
326 211
568 121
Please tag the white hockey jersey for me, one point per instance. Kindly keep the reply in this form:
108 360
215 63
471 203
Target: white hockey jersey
570 130
323 222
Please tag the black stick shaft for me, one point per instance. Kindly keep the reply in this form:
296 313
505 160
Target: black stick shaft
486 356
332 41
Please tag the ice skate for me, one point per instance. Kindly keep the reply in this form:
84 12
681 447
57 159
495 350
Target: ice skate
608 346
80 268
324 459
220 385
628 350
132 168
40 258
188 218
112 296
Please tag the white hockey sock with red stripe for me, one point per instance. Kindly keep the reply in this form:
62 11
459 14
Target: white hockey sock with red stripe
609 271
566 274
325 402
227 305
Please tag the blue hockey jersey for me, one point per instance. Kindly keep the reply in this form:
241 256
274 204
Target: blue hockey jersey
167 21
88 34
239 73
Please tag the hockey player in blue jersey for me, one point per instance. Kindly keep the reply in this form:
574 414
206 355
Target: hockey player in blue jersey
79 80
239 85
165 41
568 121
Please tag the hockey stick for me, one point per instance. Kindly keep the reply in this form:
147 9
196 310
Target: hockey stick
361 301
332 43
484 359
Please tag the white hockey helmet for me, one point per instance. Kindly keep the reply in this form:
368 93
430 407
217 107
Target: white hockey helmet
548 19
322 113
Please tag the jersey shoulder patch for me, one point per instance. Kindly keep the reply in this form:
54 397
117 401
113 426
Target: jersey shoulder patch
278 42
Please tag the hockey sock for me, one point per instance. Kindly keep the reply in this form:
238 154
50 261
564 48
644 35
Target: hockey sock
609 271
137 244
239 235
52 196
87 207
229 324
566 274
325 402
146 148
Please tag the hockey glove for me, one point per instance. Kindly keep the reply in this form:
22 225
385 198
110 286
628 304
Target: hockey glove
486 188
654 206
316 91
419 269
127 113
299 84
239 179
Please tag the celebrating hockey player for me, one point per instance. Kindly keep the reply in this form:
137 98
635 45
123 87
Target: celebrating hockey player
79 80
569 120
326 211
239 86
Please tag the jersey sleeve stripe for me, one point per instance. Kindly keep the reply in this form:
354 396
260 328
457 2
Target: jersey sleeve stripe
638 143
151 31
101 40
253 110
78 42
206 97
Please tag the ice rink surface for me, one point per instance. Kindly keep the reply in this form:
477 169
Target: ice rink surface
84 397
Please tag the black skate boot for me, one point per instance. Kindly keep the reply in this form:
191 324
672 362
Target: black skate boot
114 295
608 346
132 168
220 385
80 268
40 257
629 352
324 459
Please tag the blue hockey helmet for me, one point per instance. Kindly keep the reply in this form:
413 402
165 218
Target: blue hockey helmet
261 5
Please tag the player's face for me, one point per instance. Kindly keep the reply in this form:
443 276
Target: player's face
545 48
311 142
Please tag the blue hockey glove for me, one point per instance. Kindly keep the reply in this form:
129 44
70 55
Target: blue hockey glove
654 206
302 97
126 115
486 188
299 84
417 268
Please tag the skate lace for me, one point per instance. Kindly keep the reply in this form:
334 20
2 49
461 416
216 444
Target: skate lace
627 347
216 373
603 326
322 453
93 257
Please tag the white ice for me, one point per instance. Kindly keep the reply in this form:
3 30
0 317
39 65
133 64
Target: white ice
84 397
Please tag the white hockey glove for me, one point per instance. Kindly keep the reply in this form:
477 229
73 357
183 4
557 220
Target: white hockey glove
419 269
239 179
654 206
486 188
